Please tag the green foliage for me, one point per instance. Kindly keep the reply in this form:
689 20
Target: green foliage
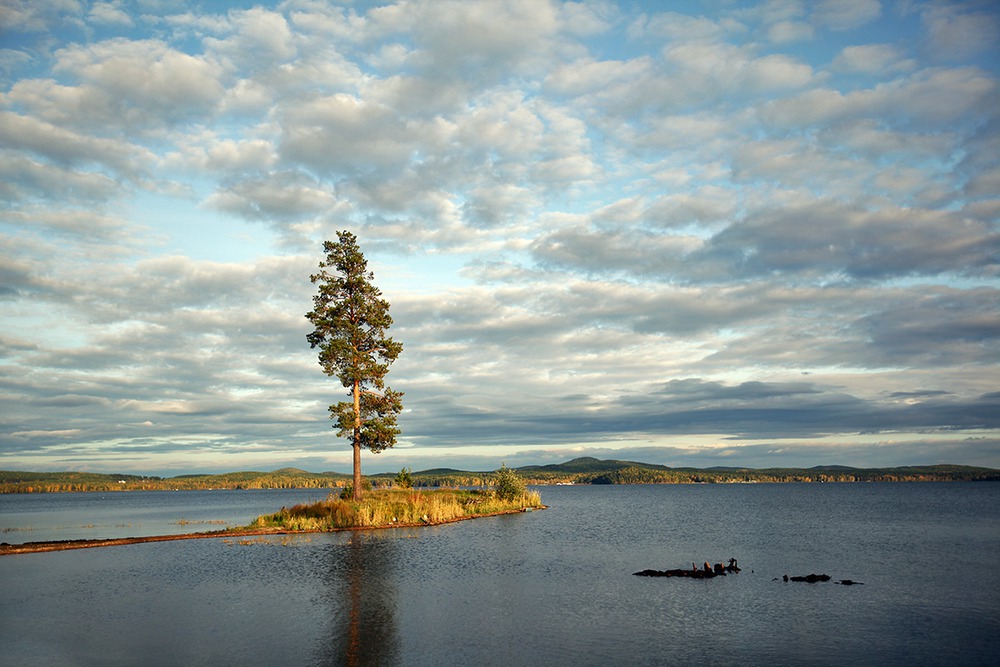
509 484
350 320
404 479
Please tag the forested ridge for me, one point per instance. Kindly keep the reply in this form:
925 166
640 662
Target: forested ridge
577 471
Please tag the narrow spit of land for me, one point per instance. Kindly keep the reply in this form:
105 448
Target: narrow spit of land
380 509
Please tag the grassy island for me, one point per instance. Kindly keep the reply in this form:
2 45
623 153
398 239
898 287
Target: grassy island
382 508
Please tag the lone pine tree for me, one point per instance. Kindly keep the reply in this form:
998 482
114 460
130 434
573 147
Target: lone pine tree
350 320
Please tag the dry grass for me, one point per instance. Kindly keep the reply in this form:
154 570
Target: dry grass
395 507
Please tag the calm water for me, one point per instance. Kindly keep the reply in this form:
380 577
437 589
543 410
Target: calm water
42 517
548 587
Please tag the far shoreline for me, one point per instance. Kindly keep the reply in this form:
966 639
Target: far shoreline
582 471
67 545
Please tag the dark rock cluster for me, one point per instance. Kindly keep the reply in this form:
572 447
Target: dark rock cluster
708 571
705 572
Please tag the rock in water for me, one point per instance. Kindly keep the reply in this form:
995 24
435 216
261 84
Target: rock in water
810 578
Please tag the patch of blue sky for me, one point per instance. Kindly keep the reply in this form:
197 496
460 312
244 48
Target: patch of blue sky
419 273
950 280
183 227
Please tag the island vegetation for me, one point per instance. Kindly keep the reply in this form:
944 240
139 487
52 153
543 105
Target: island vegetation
406 506
396 507
577 471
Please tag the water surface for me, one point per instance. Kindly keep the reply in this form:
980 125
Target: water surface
42 517
546 587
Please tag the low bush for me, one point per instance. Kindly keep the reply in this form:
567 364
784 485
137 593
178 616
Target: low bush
509 485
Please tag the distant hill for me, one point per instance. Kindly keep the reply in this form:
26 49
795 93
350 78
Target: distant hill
583 470
42 482
587 464
588 470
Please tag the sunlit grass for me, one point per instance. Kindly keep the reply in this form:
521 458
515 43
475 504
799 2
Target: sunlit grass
395 507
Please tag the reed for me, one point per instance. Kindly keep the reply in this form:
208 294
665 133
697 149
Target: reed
383 508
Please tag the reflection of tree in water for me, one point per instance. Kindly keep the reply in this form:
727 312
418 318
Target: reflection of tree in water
363 602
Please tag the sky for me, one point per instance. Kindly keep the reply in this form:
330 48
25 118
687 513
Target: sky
687 233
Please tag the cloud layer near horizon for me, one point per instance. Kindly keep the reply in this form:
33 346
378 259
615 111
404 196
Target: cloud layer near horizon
734 233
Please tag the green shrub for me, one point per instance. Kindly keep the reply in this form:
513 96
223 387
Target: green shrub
403 479
509 484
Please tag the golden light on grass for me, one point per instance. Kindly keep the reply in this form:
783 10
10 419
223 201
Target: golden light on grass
383 508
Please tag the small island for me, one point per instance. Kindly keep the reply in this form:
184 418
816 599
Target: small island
403 505
387 508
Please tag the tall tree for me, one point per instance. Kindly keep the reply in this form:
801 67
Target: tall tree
350 320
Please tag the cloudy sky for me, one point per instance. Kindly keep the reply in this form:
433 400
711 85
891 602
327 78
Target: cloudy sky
688 233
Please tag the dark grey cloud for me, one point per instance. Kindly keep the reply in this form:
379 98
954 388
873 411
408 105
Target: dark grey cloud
825 238
750 411
885 453
936 327
30 180
817 240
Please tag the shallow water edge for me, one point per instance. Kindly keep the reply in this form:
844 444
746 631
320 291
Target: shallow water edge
65 545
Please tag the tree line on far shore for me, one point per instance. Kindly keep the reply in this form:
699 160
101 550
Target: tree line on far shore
578 471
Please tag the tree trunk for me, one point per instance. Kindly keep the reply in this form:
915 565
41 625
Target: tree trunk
357 440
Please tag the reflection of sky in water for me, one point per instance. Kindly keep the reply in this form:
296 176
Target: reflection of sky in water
72 516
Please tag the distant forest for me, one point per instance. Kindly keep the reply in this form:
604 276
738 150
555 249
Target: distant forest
578 471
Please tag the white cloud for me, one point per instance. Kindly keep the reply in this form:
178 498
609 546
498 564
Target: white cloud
929 98
344 133
123 85
871 59
589 76
787 32
776 73
31 16
109 13
957 36
259 39
25 179
213 154
846 14
71 148
278 197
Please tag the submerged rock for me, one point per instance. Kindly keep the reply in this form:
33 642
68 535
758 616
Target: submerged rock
809 578
692 574
705 572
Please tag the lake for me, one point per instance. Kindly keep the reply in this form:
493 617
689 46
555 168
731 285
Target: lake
546 587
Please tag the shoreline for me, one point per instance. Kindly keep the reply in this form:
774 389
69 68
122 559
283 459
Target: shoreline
67 545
